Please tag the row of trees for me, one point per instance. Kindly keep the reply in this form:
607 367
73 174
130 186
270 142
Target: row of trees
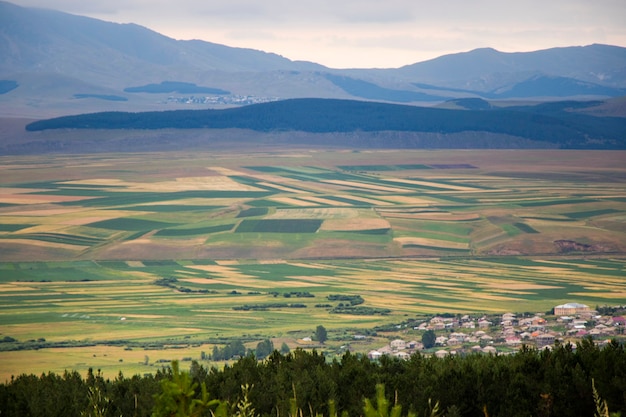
543 123
558 382
237 350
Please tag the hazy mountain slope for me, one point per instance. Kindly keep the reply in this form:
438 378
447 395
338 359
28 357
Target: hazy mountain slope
487 69
370 91
552 86
91 59
543 86
49 41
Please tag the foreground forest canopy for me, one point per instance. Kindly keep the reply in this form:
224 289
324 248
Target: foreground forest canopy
568 380
552 123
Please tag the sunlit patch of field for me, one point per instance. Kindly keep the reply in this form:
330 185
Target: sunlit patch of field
403 286
523 194
108 359
417 214
436 243
367 186
434 184
108 183
83 221
204 281
176 216
12 191
319 213
32 199
223 271
517 286
325 201
610 297
45 212
410 200
225 171
354 224
211 183
45 244
282 187
291 201
368 200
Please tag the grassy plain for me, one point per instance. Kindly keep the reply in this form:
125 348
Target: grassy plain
85 242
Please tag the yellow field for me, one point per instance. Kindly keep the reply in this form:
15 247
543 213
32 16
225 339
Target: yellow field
83 244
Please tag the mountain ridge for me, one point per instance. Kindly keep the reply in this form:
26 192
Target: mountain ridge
102 59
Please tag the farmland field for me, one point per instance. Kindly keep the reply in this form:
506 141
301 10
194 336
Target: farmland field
106 260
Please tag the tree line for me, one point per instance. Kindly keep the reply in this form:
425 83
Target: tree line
581 380
550 124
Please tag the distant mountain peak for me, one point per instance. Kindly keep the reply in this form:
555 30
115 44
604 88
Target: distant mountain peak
95 58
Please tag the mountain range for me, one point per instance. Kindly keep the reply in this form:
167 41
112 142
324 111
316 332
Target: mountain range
54 63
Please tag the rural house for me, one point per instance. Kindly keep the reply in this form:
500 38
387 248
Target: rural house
570 309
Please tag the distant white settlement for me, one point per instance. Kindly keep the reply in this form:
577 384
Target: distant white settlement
505 334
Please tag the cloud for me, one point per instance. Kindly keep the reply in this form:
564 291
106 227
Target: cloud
381 33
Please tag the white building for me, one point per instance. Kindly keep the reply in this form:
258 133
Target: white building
570 309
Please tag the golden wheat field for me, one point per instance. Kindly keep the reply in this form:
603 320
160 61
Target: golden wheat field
107 259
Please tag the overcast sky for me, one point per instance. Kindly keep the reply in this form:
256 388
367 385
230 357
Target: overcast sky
368 33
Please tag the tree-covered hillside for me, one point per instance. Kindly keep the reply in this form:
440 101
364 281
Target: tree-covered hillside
567 381
553 123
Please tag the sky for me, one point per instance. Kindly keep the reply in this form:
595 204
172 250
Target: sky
367 33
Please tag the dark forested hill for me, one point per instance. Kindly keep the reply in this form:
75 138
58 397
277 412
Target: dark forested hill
554 123
552 382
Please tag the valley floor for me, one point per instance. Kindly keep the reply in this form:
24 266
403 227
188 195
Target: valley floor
106 259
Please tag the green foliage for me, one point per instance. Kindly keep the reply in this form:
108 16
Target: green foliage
585 381
264 348
543 123
353 299
381 408
602 408
428 339
433 410
321 335
360 311
178 397
233 349
244 406
98 403
453 411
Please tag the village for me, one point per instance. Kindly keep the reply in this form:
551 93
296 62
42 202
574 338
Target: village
506 334
227 100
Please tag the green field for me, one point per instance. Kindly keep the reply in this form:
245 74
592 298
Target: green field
127 253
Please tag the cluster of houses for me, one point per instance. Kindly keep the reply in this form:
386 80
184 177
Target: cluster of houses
507 333
221 99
